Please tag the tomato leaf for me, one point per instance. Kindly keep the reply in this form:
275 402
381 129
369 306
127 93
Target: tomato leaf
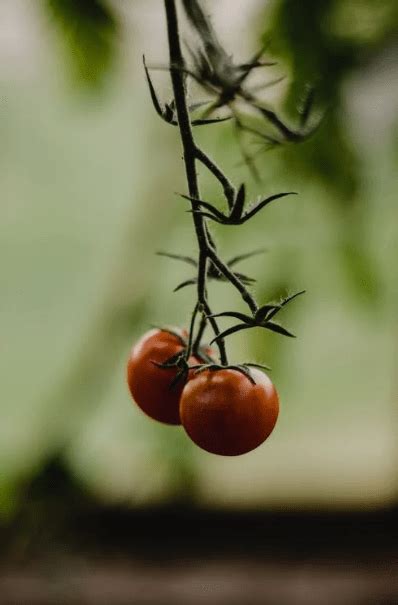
236 314
184 284
89 32
274 327
241 257
206 205
230 331
260 205
284 302
186 259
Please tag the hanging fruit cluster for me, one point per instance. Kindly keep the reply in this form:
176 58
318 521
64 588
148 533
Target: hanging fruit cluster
172 376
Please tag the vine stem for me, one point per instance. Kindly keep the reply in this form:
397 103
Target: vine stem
191 331
190 156
229 189
234 280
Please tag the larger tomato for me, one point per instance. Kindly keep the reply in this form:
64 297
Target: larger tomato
225 413
150 386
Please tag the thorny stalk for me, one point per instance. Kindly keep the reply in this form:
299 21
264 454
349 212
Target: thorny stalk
190 154
217 72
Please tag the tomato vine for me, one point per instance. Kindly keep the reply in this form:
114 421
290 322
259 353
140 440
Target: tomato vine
216 72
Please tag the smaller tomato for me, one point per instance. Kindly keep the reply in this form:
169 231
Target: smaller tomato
225 413
150 385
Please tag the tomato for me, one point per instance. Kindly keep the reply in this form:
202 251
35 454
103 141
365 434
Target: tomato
150 385
225 413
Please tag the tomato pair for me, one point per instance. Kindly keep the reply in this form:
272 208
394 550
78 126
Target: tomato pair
222 411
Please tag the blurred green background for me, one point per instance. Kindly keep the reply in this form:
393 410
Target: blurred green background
88 180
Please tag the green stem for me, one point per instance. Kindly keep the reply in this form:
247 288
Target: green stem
233 279
191 331
190 154
229 189
199 335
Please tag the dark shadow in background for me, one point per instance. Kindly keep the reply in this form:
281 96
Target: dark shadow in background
65 548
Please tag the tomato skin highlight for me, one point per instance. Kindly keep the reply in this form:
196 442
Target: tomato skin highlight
150 385
225 414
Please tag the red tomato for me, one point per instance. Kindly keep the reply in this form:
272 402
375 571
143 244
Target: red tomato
224 413
150 385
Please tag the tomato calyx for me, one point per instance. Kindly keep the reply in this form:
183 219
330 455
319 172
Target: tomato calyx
179 362
244 368
237 214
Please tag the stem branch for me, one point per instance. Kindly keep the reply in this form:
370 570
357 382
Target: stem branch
190 154
233 279
229 189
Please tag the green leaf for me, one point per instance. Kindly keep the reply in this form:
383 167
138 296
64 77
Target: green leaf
155 101
184 284
230 331
235 314
217 214
284 302
206 122
186 259
320 47
263 311
274 327
240 257
257 207
88 30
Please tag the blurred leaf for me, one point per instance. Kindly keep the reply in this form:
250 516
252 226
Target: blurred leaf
365 22
89 32
321 46
360 268
8 500
327 157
